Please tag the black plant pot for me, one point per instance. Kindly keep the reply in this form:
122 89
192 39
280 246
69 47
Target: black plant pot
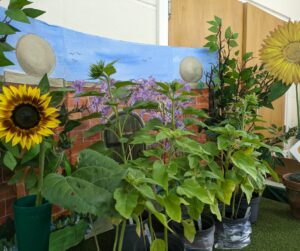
204 238
174 243
254 205
233 233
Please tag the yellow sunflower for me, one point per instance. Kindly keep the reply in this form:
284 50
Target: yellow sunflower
281 52
25 116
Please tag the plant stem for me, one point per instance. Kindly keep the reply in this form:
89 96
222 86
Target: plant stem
122 235
94 233
116 238
238 207
151 227
166 238
298 112
39 197
233 204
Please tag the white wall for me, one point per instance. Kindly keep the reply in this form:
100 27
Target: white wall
129 20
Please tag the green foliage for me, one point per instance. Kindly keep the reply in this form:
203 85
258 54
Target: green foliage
15 12
63 239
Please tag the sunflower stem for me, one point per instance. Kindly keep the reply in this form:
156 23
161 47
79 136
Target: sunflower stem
39 197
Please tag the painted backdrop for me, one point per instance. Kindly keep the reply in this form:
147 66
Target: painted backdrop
76 51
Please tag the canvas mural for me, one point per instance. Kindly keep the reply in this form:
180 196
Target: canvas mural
75 52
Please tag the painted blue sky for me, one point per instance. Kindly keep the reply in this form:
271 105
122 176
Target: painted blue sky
76 51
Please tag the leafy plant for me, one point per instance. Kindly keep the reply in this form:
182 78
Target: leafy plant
233 77
17 11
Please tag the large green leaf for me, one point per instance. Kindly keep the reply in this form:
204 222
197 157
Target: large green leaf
126 201
225 191
160 216
158 245
245 162
90 157
277 90
107 178
77 195
63 239
191 188
18 15
224 142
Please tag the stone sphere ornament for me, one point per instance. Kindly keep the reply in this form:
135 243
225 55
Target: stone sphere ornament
191 70
35 55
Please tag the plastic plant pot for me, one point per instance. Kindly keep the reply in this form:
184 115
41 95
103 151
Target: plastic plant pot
32 224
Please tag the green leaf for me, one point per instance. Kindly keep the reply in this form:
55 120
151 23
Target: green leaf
67 237
44 84
17 15
90 157
9 161
233 43
13 149
161 217
30 180
248 189
124 83
146 191
94 115
244 162
277 89
195 208
6 47
142 105
94 130
216 169
31 153
193 161
33 13
138 224
160 175
228 32
125 202
77 195
214 29
18 4
189 229
193 111
100 147
3 60
158 245
214 208
224 142
247 56
172 204
70 125
218 20
56 98
225 191
89 94
191 188
211 38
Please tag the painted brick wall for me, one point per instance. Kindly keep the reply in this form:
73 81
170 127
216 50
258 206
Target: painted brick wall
9 193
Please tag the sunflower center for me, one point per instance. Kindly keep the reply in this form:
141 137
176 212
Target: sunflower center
26 116
292 52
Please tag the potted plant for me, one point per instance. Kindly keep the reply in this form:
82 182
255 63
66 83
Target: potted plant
280 52
234 78
183 170
243 169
